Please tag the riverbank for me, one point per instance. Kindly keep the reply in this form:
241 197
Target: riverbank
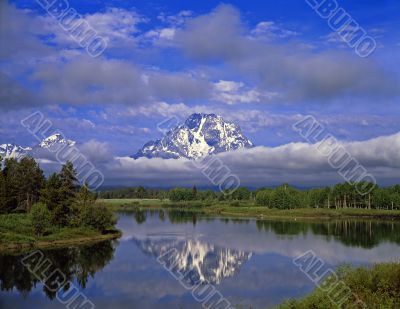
375 287
249 210
16 234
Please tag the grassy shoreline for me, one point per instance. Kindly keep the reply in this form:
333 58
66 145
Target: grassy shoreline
246 210
16 235
372 287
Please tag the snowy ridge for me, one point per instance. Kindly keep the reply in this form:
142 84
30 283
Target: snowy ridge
200 135
8 151
55 139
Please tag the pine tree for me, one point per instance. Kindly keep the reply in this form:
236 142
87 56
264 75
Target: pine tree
33 182
51 194
84 197
24 180
59 194
3 199
194 193
67 191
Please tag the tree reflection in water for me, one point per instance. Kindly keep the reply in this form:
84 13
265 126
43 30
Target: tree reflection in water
76 263
352 233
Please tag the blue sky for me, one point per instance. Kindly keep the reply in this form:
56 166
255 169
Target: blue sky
260 64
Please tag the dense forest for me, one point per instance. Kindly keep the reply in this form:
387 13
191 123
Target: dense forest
342 195
56 201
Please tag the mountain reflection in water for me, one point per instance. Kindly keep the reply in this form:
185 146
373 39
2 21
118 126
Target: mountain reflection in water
205 262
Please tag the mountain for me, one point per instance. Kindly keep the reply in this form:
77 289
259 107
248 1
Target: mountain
200 135
207 263
55 140
8 151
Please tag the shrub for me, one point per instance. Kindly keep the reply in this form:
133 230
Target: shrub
264 198
41 218
98 217
235 203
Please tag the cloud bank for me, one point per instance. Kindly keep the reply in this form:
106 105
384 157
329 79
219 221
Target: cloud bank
299 164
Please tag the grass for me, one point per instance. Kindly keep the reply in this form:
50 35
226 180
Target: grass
247 209
16 233
130 204
375 287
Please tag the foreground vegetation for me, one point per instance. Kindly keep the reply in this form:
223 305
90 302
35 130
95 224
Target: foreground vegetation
16 234
35 211
376 287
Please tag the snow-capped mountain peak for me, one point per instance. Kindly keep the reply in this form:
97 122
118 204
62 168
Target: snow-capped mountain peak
8 151
55 139
200 135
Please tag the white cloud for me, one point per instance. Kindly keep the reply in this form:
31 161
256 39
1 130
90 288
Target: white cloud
167 33
231 92
298 74
175 20
119 27
269 29
228 86
296 163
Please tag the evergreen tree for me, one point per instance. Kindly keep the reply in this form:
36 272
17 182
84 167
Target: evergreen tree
84 200
67 193
24 180
141 192
84 197
3 198
194 193
50 195
59 194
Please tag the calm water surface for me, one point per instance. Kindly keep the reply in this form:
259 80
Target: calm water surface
248 261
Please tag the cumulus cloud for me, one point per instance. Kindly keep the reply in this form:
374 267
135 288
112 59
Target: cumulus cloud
300 73
61 72
19 32
85 80
13 95
95 151
118 27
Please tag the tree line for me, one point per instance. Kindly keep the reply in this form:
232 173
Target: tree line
343 195
56 201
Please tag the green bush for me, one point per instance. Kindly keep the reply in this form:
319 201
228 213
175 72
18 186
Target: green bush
376 287
98 217
264 198
235 203
41 218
